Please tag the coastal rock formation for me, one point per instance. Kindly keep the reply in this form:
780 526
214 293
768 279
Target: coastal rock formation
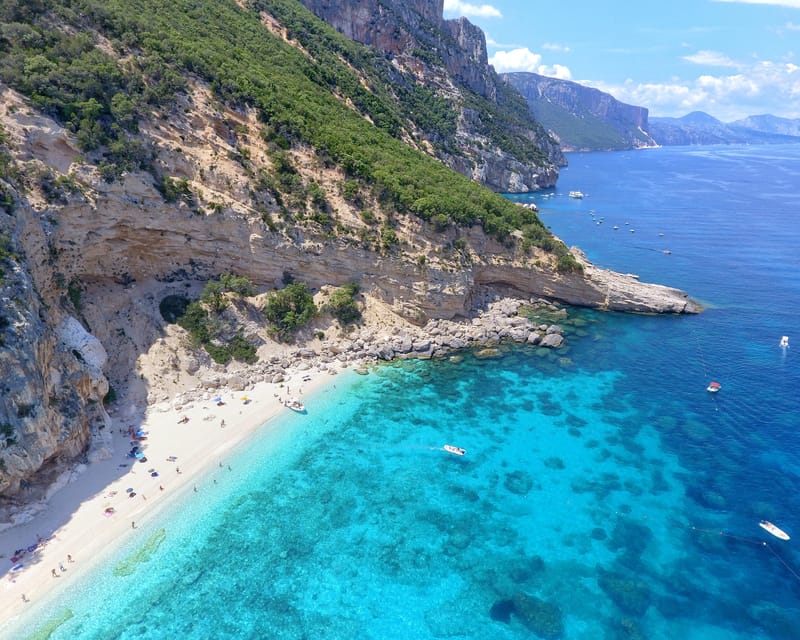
405 28
78 251
580 117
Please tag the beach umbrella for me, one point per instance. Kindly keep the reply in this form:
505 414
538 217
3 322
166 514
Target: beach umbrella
129 489
217 399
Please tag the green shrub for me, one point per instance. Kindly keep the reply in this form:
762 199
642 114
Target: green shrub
240 285
568 264
214 296
173 190
289 309
196 321
74 293
220 354
388 237
242 350
460 244
342 304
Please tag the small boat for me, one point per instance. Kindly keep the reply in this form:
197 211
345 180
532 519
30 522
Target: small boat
784 341
713 387
576 194
615 227
294 404
775 531
456 450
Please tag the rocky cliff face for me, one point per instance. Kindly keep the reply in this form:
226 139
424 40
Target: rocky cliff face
583 118
404 27
113 235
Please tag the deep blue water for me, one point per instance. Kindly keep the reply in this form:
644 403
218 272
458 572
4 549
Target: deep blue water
605 494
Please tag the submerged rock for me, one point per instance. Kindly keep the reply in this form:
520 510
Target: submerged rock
502 610
541 617
630 594
518 482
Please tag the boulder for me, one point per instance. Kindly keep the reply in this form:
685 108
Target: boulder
542 618
552 340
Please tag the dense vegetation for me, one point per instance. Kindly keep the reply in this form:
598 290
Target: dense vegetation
298 95
584 131
288 309
342 304
68 77
202 320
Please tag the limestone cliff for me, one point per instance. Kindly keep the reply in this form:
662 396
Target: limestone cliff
583 118
62 247
450 56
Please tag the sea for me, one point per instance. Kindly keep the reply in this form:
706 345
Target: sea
604 494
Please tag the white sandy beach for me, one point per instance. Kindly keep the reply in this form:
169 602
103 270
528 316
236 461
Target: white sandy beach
76 523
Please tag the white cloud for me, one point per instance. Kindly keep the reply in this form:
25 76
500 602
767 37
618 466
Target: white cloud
556 71
791 26
515 60
792 4
555 47
523 59
711 58
760 87
471 10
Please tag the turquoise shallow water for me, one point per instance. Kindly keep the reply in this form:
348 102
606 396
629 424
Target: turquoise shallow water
597 478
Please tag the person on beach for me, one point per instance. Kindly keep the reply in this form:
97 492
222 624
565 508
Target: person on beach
61 567
133 524
53 573
69 559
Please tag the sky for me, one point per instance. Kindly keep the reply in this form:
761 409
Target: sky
729 58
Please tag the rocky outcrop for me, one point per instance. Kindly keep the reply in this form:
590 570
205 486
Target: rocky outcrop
50 392
396 27
115 235
402 29
582 118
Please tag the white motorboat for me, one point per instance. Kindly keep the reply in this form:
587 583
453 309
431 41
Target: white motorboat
455 450
294 404
775 531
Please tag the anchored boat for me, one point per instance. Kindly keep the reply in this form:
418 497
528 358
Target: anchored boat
456 450
775 531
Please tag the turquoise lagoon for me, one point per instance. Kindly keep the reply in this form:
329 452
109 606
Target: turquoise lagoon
604 493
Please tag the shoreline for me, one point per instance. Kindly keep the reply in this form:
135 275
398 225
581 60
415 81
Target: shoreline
72 519
86 533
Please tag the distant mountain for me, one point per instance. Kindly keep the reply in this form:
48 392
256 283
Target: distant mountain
770 124
700 128
582 118
586 119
